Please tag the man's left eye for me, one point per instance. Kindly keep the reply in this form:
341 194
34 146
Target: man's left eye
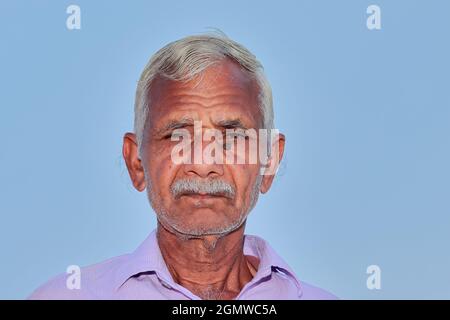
236 135
173 135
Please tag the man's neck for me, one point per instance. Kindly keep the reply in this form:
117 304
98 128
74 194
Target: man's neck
212 267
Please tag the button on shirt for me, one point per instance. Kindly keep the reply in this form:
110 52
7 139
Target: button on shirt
143 274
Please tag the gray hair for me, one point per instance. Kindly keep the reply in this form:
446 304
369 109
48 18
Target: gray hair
210 186
183 59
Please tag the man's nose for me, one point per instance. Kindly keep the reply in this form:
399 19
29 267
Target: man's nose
203 170
202 164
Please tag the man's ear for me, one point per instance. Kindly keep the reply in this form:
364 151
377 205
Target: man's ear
131 155
277 150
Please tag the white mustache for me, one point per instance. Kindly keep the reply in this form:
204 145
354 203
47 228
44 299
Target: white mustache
210 186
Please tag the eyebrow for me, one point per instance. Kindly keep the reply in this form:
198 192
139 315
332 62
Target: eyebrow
175 124
231 124
189 122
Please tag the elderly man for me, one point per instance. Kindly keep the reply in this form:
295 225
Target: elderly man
199 249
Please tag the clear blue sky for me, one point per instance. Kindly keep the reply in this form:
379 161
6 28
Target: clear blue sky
366 114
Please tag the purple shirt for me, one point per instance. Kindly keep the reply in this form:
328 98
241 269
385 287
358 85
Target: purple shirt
143 274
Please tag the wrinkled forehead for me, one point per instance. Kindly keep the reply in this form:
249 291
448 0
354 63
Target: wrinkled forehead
223 90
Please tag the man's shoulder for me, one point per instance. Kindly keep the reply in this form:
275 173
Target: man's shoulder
286 277
90 282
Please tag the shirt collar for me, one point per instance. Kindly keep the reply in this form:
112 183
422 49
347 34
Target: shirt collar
148 258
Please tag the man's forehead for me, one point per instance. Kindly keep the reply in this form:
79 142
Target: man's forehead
224 91
222 76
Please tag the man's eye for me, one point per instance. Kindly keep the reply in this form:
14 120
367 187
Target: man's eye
232 138
173 135
236 135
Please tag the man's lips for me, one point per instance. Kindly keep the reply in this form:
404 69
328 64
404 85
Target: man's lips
204 196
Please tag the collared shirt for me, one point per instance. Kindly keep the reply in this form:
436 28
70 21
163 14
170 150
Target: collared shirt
143 274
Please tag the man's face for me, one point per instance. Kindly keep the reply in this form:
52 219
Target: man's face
222 97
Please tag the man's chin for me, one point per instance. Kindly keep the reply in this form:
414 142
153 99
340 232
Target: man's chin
201 230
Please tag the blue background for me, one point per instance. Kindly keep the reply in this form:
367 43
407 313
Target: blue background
365 178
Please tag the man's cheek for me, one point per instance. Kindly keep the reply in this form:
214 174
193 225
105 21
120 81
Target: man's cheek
165 173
